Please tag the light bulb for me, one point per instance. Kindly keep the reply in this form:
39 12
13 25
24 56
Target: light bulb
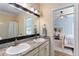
36 11
32 9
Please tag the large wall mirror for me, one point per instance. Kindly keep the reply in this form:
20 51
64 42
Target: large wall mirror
16 22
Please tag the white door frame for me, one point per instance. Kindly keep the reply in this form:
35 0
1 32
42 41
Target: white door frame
76 29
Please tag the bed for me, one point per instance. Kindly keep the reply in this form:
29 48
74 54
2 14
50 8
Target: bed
69 41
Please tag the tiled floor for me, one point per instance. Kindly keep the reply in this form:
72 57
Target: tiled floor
57 53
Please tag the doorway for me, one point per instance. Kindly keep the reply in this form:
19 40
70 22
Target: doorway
63 27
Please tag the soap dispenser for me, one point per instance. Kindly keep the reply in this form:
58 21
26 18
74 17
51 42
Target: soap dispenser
44 31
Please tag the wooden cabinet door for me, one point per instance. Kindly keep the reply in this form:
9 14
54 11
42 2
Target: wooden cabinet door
47 50
44 50
33 53
37 54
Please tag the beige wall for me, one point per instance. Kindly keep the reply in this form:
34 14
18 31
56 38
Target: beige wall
47 14
4 16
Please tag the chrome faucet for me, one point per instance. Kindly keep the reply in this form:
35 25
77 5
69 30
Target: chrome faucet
15 42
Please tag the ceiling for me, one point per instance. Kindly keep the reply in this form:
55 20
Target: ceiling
5 7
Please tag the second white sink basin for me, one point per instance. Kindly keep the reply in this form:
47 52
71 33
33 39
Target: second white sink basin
20 48
39 40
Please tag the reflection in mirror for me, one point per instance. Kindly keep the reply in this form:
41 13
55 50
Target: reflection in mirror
64 29
28 24
16 22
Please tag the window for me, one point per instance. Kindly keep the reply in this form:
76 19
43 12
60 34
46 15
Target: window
28 25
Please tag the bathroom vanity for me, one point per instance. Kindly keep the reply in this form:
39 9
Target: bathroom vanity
41 50
36 49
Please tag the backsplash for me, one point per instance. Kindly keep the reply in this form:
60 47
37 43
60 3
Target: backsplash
18 38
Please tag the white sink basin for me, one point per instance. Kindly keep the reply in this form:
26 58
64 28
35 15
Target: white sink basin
20 48
39 40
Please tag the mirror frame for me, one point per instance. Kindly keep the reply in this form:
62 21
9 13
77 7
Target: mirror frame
25 9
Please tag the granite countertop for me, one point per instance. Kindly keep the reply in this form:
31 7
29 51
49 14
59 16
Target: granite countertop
30 42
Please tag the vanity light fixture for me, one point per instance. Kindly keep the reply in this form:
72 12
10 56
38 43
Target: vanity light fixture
36 11
32 9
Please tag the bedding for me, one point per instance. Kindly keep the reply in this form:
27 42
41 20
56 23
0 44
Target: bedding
69 41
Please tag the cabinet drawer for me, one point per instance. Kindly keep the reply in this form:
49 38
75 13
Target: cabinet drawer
46 43
44 49
32 53
37 54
